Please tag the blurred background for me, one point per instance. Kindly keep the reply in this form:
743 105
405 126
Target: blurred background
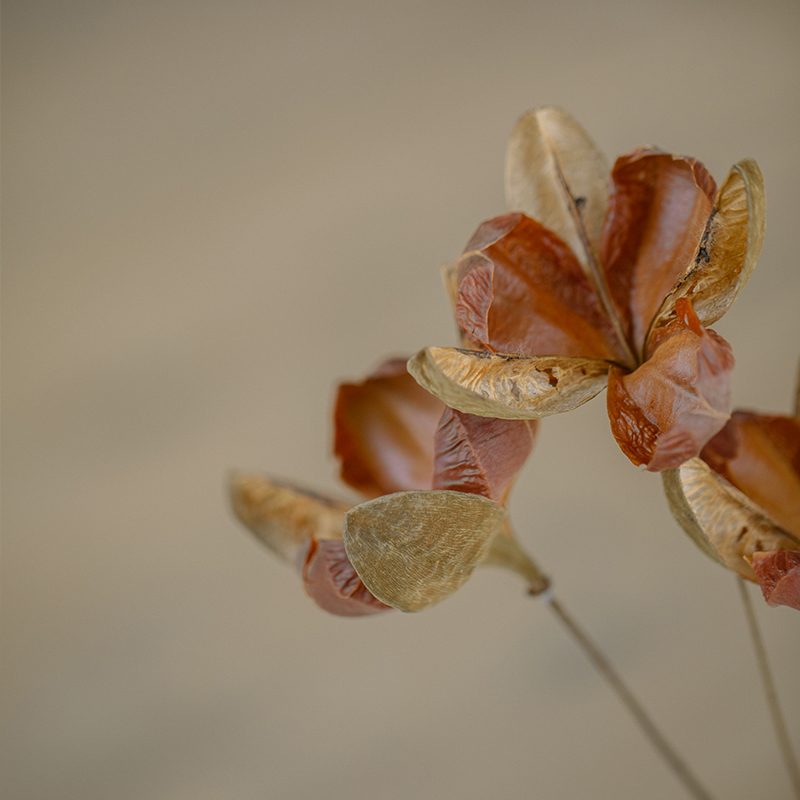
215 211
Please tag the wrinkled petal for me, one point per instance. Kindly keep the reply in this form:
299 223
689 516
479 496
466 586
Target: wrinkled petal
414 549
480 455
723 522
333 584
778 575
664 413
285 517
508 386
557 175
760 456
728 250
657 214
521 290
384 428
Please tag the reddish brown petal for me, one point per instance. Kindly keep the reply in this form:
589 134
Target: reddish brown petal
334 585
664 413
760 456
535 299
657 215
384 430
779 577
480 455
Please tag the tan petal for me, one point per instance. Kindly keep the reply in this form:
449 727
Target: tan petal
285 517
414 549
656 217
333 584
728 250
667 410
480 455
508 386
384 428
721 520
556 174
778 575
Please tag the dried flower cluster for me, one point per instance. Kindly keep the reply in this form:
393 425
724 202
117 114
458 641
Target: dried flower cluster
596 278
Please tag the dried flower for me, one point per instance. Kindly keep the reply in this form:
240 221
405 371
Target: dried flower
437 479
582 287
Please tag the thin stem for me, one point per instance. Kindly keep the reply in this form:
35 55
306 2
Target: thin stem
674 761
778 722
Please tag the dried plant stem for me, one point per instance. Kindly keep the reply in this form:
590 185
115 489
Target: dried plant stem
675 762
778 722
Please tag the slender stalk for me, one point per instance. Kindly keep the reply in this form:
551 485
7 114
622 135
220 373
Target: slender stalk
778 722
674 761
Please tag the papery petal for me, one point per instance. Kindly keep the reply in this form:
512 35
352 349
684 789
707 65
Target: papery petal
285 517
664 413
760 456
778 575
480 455
333 584
728 250
657 215
556 174
508 386
414 549
534 298
384 428
722 521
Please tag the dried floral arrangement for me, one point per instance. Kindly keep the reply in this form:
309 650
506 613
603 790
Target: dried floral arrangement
596 278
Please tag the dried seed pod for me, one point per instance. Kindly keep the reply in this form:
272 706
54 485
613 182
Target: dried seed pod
414 549
508 386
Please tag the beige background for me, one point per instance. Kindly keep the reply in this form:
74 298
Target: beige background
213 211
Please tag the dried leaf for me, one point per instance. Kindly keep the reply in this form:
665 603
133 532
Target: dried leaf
556 174
508 386
728 250
283 516
723 522
333 584
778 575
521 290
414 549
384 429
480 455
657 214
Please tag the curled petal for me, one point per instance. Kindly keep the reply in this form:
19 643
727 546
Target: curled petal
778 575
722 521
556 174
480 455
508 386
414 549
728 250
657 215
333 584
285 517
384 428
664 413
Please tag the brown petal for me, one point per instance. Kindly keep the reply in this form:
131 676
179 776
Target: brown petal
664 413
721 520
657 214
556 174
728 250
760 456
521 290
333 584
778 575
414 549
284 516
508 386
480 455
384 428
